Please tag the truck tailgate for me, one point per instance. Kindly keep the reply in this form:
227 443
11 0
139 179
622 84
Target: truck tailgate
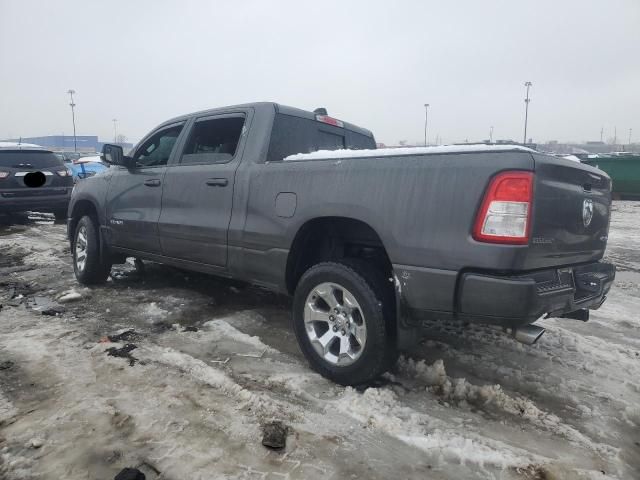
572 204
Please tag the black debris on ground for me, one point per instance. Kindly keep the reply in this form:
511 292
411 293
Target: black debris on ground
274 435
123 352
53 311
6 365
125 336
130 474
190 328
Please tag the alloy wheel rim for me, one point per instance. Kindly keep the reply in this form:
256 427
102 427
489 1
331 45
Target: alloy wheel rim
335 324
81 249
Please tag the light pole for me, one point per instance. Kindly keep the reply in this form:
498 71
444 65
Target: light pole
491 135
526 110
426 122
73 117
115 130
630 130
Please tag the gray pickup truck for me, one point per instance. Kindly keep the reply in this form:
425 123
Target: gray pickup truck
371 243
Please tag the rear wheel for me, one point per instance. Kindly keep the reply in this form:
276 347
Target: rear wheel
339 317
88 265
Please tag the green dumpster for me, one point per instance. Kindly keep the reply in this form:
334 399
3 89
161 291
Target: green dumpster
624 171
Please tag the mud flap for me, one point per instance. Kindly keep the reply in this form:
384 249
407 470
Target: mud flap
407 333
105 251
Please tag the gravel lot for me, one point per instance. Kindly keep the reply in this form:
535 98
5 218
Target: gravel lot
214 361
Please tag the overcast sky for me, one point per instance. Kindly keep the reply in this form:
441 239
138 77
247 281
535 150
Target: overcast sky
373 63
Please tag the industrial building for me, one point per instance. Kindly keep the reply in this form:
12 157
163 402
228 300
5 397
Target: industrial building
60 143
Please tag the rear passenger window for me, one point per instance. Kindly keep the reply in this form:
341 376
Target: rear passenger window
330 141
291 135
213 141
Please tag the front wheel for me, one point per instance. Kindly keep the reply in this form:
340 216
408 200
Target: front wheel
339 321
88 264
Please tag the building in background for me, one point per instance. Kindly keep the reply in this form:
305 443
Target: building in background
554 146
64 143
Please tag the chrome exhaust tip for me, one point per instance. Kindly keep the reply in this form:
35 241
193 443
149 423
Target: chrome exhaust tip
529 334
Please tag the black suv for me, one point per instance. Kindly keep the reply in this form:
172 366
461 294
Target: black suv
32 178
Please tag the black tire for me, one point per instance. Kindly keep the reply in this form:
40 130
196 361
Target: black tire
94 270
374 295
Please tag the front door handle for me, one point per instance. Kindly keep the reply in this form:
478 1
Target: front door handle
153 182
217 182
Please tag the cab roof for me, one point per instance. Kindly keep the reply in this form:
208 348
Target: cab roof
278 108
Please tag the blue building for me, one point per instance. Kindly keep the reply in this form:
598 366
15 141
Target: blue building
85 143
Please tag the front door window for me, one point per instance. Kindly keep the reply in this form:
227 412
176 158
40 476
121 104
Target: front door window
157 149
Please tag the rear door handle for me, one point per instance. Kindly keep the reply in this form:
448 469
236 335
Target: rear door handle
153 182
217 182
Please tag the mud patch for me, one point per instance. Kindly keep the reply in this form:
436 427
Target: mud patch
533 472
274 435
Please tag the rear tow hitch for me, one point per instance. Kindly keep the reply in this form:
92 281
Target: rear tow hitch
581 314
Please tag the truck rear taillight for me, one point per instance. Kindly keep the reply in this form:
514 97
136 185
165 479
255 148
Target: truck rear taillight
505 213
330 120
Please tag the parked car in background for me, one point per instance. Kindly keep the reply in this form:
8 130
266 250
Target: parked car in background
370 242
68 156
33 179
85 167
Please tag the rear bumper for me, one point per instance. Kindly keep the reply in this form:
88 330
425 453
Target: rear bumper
509 300
525 298
45 203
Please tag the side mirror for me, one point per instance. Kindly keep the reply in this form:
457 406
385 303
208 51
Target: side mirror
113 155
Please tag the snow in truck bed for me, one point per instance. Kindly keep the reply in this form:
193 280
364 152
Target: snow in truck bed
389 152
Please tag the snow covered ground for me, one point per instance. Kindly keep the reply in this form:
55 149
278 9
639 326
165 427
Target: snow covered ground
216 360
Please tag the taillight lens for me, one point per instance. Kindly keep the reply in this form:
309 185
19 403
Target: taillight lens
4 174
505 213
64 173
